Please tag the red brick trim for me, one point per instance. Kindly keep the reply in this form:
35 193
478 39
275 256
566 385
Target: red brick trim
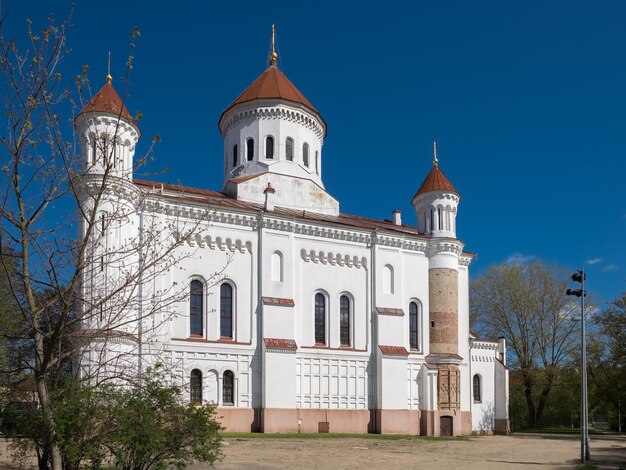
281 302
393 350
390 311
280 343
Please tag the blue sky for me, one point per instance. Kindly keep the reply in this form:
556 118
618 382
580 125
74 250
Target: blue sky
526 100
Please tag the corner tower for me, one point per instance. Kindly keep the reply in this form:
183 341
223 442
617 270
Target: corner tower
274 135
435 204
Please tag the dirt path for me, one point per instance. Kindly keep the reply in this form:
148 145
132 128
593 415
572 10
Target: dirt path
496 452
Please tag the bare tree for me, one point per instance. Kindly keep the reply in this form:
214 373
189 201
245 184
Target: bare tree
527 305
101 299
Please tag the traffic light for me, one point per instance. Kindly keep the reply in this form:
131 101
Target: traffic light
578 276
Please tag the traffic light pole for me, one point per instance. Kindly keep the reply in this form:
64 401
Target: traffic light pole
584 428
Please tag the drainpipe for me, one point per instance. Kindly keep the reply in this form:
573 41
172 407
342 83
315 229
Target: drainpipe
259 326
140 306
374 320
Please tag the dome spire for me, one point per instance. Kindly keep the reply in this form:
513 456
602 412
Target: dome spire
273 54
435 160
109 78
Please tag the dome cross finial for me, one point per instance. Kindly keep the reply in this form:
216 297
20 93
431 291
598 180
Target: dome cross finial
273 54
109 78
435 159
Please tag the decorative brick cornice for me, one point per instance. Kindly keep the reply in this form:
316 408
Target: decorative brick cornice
393 350
280 345
444 246
281 302
116 336
390 311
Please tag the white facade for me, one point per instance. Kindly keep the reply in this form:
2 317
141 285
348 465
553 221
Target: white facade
290 316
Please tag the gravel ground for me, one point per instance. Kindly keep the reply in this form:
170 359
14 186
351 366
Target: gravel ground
494 452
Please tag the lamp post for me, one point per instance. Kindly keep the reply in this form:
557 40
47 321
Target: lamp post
579 276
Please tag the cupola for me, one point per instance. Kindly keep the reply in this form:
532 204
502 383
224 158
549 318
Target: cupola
107 133
273 134
436 203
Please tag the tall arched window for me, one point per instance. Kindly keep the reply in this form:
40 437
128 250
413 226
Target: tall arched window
195 386
196 308
305 154
250 149
228 388
320 318
235 155
476 388
226 310
317 162
269 147
413 326
289 149
344 320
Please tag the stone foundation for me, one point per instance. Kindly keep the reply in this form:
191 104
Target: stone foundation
398 422
280 420
502 426
237 419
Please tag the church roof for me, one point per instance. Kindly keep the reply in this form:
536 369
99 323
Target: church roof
108 101
272 84
436 181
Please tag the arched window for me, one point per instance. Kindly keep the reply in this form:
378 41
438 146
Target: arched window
320 318
387 279
414 326
476 388
235 155
269 147
196 308
289 149
195 386
439 219
277 266
250 149
94 149
344 320
228 388
317 162
305 154
226 310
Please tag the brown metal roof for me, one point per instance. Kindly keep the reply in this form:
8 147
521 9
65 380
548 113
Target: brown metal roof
272 84
436 181
108 101
215 198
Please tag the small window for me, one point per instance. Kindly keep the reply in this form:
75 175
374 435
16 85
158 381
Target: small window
196 308
439 219
305 154
195 386
387 279
344 320
235 155
320 318
413 326
277 266
94 150
476 389
269 147
228 388
317 162
289 149
250 149
226 310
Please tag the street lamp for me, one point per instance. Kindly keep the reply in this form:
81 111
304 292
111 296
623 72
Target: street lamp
580 276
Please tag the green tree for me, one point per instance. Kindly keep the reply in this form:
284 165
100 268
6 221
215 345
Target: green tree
527 305
607 360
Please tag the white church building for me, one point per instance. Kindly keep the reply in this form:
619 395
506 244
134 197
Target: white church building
295 317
